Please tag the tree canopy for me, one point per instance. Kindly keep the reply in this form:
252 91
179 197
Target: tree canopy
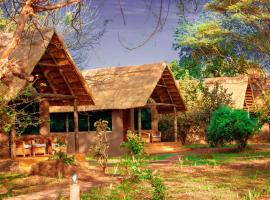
229 38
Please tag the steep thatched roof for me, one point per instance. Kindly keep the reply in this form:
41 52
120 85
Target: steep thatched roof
132 87
239 87
44 55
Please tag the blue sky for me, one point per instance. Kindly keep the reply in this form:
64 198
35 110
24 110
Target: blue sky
139 24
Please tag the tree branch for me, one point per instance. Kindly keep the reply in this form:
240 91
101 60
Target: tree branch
38 8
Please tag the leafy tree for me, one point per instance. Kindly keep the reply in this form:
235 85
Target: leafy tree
186 66
99 149
229 125
230 38
201 101
262 108
15 116
212 99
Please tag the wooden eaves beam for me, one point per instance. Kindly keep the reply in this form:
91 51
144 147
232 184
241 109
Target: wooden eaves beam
66 81
160 104
49 82
167 90
56 96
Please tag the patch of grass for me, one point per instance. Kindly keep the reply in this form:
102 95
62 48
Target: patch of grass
199 146
127 190
10 176
224 158
195 160
194 146
161 156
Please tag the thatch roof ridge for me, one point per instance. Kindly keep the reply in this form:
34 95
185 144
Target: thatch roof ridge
28 54
237 86
227 80
163 63
104 82
128 87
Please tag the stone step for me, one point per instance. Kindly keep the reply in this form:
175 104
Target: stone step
163 144
163 147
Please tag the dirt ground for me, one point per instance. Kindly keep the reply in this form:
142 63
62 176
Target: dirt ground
19 185
241 176
195 173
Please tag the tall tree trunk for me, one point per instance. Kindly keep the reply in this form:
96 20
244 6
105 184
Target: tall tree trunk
13 142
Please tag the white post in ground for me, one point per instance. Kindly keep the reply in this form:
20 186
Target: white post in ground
74 188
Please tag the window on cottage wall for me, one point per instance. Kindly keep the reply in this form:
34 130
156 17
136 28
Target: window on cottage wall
58 122
70 122
83 121
28 120
145 118
86 120
104 115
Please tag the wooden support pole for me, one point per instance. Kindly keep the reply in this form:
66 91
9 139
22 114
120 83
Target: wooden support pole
140 121
132 126
44 115
76 126
154 119
175 124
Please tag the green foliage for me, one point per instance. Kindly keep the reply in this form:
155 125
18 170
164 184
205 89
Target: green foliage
228 39
134 143
229 125
99 150
68 18
201 101
136 171
134 166
186 67
263 109
19 112
7 23
60 155
212 99
214 159
159 190
68 160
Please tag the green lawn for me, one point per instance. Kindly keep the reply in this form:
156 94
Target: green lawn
231 175
198 173
223 158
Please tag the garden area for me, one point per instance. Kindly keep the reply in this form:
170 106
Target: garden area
198 172
196 127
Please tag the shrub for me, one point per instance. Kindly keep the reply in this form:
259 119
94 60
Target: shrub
68 160
228 125
62 156
134 143
99 150
158 187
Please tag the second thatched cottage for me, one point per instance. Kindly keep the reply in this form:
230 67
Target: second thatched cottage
129 98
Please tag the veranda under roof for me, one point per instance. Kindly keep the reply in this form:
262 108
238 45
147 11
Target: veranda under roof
57 80
132 87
